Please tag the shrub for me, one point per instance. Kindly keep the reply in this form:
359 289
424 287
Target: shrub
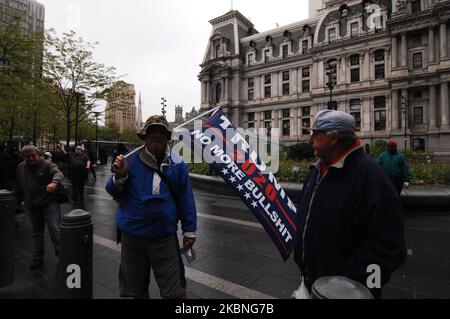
378 147
301 151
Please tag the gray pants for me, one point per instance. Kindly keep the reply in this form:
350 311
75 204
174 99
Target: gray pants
139 256
50 215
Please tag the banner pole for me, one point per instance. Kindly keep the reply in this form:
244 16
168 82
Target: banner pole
214 110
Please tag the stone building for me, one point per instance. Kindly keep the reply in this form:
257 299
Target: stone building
386 62
121 107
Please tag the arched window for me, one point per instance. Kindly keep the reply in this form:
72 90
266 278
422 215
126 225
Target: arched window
218 92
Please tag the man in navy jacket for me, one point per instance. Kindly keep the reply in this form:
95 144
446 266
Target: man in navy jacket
155 192
351 215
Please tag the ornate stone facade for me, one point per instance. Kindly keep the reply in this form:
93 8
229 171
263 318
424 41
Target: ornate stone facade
388 61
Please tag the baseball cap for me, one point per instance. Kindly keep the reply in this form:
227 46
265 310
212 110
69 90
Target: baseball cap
154 120
392 143
48 154
330 120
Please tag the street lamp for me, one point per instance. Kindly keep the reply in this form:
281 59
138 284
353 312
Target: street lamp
164 105
96 114
405 112
332 79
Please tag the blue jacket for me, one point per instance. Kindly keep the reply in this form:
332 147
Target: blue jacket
349 219
149 211
395 165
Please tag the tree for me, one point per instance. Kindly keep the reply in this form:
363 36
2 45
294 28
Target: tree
79 82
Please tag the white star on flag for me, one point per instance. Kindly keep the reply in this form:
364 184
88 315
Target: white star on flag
232 179
247 196
254 204
240 187
224 171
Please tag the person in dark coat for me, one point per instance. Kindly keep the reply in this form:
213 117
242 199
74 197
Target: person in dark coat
351 217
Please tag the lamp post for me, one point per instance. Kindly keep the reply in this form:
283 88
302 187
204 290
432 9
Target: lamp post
331 73
164 105
96 114
405 112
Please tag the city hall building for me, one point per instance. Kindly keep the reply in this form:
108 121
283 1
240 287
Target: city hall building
386 62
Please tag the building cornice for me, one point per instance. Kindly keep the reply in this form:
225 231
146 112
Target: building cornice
231 15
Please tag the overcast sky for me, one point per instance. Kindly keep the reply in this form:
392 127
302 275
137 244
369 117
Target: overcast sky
159 45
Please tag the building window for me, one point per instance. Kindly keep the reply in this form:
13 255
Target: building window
354 29
354 75
306 123
285 51
251 94
267 92
332 105
251 117
217 50
415 6
306 111
268 127
379 71
218 93
417 60
418 115
251 82
266 55
379 102
417 40
286 113
268 79
250 125
286 89
305 72
268 115
378 23
305 86
305 46
355 111
379 55
250 59
354 60
331 34
286 127
380 120
286 76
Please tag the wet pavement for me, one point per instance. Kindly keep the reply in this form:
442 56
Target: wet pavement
235 257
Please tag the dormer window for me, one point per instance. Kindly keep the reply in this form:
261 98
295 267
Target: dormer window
415 6
331 34
287 35
306 30
269 40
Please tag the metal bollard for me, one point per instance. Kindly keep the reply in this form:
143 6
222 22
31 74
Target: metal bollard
7 237
337 287
76 255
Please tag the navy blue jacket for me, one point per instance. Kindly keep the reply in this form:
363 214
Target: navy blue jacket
355 220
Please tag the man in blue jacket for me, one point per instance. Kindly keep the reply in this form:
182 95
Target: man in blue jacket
155 192
351 217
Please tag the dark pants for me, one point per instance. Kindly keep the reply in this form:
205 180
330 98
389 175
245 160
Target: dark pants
140 256
92 170
50 215
398 183
78 180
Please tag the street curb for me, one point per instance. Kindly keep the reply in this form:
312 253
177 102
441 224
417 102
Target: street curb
412 198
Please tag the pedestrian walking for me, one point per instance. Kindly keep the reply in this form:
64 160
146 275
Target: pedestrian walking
351 216
37 180
396 166
79 164
155 192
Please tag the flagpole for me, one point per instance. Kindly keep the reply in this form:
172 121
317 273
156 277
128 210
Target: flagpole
214 111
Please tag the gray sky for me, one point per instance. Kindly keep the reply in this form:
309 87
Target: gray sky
159 45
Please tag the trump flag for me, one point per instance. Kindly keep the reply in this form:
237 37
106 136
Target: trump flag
229 154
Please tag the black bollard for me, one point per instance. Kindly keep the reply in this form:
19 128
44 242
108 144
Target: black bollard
337 287
7 237
76 255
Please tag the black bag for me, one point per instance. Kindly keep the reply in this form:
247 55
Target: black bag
63 192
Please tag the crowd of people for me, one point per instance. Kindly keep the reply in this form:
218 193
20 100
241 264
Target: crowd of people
351 212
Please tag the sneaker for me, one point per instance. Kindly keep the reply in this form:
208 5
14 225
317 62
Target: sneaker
35 263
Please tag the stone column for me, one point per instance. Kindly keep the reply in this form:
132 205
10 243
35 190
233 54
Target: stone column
431 56
257 120
395 110
443 41
208 93
203 92
257 86
394 52
294 126
444 105
433 107
366 66
404 53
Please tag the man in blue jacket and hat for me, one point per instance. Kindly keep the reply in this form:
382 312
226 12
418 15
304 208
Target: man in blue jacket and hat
155 192
351 218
